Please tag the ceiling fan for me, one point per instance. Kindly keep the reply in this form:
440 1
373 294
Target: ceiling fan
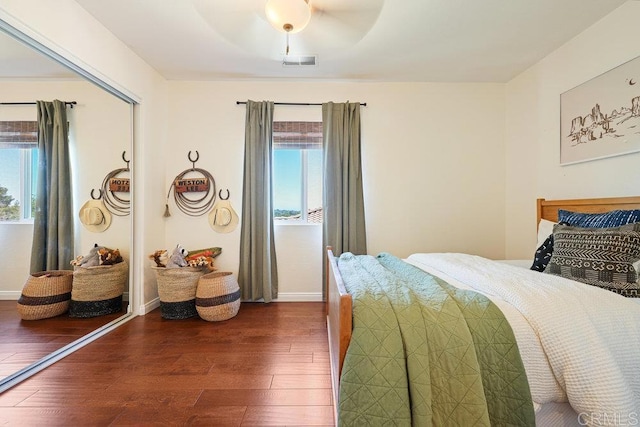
333 25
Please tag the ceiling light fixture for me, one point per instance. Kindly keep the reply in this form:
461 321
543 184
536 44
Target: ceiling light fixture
288 16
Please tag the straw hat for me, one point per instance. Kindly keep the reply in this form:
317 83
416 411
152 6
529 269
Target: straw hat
223 218
95 216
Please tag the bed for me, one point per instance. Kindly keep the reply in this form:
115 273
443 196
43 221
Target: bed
548 381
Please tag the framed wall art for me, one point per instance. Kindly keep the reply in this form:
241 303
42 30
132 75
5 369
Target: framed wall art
601 117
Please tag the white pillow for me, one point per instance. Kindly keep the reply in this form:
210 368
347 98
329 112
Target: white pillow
545 229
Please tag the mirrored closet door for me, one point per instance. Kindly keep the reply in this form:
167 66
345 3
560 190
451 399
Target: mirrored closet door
100 145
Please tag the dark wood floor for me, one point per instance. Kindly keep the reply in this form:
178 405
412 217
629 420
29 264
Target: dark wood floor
269 365
23 342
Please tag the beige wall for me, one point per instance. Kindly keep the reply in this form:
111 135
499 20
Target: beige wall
533 128
433 167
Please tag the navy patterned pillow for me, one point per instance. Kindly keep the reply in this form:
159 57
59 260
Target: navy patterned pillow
605 257
543 255
599 220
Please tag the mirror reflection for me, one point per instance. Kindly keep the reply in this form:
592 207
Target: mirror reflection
99 140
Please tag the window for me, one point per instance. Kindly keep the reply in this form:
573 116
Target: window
18 168
297 172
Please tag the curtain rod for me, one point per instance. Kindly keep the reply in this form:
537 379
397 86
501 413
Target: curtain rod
70 103
364 104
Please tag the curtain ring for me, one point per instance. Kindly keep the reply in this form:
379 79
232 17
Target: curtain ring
99 194
220 194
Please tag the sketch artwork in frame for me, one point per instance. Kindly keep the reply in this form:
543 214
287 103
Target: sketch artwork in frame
601 117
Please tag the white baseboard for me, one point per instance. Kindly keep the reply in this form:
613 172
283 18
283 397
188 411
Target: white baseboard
10 295
282 297
150 306
299 297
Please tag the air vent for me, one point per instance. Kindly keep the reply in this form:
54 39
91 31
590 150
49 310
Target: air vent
299 60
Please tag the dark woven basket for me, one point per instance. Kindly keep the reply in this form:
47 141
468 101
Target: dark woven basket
98 290
177 291
46 294
217 296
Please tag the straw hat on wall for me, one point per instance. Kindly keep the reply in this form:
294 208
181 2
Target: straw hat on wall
95 216
223 218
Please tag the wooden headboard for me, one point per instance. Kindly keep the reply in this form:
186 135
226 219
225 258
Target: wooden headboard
548 209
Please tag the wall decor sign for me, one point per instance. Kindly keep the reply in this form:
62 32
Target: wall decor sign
601 117
119 185
191 185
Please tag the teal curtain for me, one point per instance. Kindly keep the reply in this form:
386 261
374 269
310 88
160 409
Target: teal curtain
344 221
52 247
258 274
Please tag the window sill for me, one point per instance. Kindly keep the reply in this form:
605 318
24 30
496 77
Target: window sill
286 223
25 222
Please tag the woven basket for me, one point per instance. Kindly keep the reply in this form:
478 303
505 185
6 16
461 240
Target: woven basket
177 291
217 296
46 294
98 290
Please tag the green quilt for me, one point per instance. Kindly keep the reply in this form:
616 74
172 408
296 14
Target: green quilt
425 353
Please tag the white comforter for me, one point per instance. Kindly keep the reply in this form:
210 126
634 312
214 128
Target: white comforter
577 341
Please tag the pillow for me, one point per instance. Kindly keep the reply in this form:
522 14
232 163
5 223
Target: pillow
599 220
543 254
594 220
545 245
605 257
545 229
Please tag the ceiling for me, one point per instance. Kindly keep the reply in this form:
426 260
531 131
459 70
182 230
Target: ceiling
365 40
411 40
